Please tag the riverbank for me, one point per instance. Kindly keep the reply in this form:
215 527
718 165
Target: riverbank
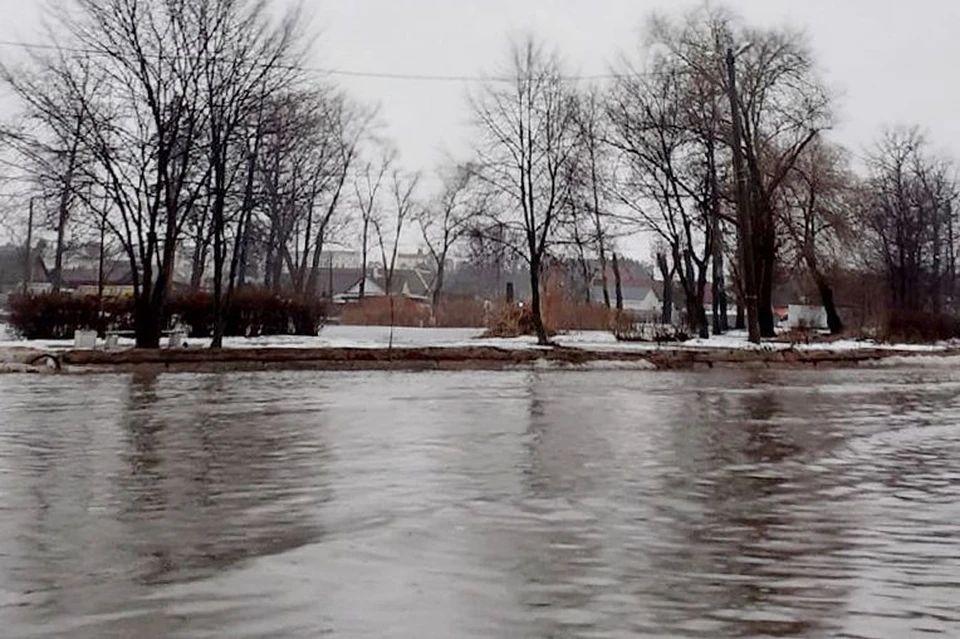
479 357
375 348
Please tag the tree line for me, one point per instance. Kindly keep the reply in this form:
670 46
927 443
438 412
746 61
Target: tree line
195 125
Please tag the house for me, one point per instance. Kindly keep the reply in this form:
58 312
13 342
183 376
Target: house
117 279
343 285
413 284
341 260
352 294
420 260
12 271
642 295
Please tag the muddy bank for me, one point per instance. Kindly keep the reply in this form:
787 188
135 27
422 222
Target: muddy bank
435 358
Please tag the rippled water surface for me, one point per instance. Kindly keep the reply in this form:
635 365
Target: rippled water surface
502 504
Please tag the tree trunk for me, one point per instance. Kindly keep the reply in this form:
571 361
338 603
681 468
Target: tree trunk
587 280
694 287
666 313
834 323
63 215
618 283
535 310
147 324
363 259
765 265
197 264
721 324
603 275
438 284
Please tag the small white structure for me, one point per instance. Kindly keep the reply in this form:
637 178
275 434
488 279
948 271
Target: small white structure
85 339
801 316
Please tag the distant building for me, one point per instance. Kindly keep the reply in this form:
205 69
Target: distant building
12 271
341 260
117 279
419 260
342 285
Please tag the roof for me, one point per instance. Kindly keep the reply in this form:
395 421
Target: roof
410 282
115 273
341 279
11 267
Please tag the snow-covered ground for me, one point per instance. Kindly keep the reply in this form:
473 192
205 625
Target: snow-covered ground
381 337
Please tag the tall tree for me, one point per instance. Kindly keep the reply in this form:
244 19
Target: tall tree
666 179
595 172
245 57
367 185
390 230
909 207
815 216
447 219
528 137
47 138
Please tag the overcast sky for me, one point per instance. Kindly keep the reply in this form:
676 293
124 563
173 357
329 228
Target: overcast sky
890 61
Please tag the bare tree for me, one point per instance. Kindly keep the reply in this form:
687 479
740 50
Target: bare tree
815 216
143 128
449 218
367 187
390 230
909 208
245 58
47 138
666 178
528 136
668 270
784 106
595 171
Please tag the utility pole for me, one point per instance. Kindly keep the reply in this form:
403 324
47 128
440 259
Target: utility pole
744 210
27 257
101 264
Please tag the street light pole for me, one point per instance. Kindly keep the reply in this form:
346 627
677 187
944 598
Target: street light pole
744 209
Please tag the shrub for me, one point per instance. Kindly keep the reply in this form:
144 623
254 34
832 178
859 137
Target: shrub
919 327
59 316
252 313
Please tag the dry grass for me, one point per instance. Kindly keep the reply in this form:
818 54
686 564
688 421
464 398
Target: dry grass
386 311
511 320
460 313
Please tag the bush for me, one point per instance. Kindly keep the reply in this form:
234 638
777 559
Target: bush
59 316
919 327
513 320
252 313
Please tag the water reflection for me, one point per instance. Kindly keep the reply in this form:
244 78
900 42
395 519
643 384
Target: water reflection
537 504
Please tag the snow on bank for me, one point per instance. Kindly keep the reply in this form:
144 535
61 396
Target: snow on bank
402 337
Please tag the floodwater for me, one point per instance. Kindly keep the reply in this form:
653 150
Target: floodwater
501 504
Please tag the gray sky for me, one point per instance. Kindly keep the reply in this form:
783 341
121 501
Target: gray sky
890 61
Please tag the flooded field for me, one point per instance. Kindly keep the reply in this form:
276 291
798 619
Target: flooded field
503 504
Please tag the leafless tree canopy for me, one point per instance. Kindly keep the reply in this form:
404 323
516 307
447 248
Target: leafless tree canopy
527 140
191 135
909 209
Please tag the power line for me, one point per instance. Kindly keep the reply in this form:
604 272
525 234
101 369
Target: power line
353 73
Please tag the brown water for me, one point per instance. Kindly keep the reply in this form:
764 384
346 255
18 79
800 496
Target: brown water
517 504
